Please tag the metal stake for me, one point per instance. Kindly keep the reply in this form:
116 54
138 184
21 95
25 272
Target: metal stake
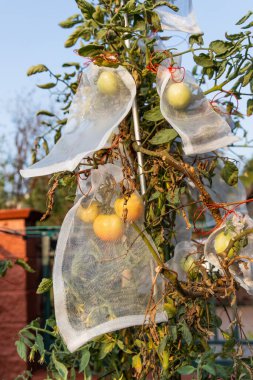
137 128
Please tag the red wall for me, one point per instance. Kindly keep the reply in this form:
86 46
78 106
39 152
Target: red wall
19 303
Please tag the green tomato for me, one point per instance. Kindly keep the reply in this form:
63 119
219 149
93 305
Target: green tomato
179 95
187 264
108 83
222 241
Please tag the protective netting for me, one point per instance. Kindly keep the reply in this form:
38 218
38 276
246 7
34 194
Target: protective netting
184 260
103 99
240 254
183 20
232 197
185 107
104 270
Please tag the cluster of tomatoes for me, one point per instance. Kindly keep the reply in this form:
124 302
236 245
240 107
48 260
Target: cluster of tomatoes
110 226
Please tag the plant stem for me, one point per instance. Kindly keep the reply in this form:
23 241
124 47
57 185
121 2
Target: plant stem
237 238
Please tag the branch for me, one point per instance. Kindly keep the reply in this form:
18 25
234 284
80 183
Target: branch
189 171
237 238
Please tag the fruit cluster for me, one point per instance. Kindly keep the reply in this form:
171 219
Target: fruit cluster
110 226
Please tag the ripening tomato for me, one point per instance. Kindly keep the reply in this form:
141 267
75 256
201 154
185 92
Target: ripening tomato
108 83
108 227
179 95
187 264
131 209
88 214
221 242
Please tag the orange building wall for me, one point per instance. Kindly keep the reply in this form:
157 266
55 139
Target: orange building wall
19 303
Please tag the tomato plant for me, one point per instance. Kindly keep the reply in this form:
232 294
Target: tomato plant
181 346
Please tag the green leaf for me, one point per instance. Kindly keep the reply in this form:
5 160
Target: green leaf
28 334
196 39
80 31
84 360
45 113
162 345
154 196
60 367
244 18
90 50
36 69
46 85
248 26
222 69
249 107
203 60
245 68
173 331
164 136
24 265
155 20
220 47
86 8
186 370
186 333
209 368
57 136
247 78
129 6
4 266
71 21
230 173
136 363
45 146
105 349
21 349
154 114
70 64
40 344
167 4
72 374
44 286
234 37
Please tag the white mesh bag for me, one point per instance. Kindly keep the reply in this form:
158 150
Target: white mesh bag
222 192
183 262
184 20
218 241
182 233
103 270
103 99
185 107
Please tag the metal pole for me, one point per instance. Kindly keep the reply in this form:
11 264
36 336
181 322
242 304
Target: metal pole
139 154
137 128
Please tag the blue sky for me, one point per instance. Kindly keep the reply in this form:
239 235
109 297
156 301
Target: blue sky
30 35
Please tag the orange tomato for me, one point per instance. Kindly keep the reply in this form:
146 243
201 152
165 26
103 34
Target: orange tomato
88 214
131 209
108 227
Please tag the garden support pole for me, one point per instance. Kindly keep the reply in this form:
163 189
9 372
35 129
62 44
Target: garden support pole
137 129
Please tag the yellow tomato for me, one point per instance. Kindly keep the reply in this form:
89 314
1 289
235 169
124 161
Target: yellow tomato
222 241
178 95
108 227
108 83
131 209
88 214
